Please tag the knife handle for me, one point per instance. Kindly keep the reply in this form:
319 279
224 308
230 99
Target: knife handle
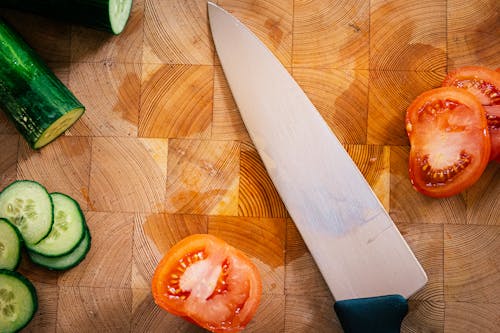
381 314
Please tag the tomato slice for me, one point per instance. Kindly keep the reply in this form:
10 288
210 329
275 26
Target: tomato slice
493 118
206 281
484 83
450 143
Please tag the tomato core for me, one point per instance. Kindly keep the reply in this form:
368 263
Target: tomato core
208 282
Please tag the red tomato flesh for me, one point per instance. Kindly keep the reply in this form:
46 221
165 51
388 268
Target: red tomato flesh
493 118
208 282
484 83
450 143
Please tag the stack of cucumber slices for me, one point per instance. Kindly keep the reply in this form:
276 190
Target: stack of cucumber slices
52 227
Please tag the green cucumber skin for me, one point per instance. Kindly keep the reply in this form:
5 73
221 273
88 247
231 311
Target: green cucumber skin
91 13
31 289
51 262
20 244
30 93
80 212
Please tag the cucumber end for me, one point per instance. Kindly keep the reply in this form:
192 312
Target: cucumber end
58 127
119 12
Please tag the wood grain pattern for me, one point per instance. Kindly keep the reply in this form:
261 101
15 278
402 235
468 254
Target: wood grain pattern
177 32
331 34
270 20
128 174
227 123
257 194
111 239
203 177
162 153
176 101
374 164
341 96
390 94
114 112
471 29
408 35
86 309
465 317
62 167
8 163
471 263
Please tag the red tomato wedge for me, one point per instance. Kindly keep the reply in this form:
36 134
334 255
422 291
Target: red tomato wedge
484 83
450 143
206 281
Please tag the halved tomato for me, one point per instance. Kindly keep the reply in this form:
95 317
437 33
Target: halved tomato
206 281
450 143
484 83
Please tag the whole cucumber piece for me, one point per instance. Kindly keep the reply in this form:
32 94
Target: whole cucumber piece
38 103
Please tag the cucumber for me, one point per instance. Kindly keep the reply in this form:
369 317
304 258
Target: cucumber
28 206
18 301
68 228
38 103
10 245
107 15
67 261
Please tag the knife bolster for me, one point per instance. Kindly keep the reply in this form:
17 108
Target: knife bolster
381 314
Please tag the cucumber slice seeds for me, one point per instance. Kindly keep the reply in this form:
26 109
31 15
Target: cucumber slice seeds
18 301
68 228
10 245
28 206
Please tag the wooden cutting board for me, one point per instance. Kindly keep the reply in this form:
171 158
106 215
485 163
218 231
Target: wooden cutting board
162 153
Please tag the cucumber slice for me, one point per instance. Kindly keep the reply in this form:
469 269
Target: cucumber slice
119 12
10 245
67 231
67 261
28 206
18 301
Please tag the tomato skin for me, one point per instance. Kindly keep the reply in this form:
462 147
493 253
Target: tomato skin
208 282
484 83
449 141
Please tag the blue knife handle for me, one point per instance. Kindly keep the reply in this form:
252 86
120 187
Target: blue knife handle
381 314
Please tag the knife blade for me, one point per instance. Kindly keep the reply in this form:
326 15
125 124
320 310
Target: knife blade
366 263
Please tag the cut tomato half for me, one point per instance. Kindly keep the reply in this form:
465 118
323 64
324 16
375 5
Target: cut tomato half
206 281
449 141
484 83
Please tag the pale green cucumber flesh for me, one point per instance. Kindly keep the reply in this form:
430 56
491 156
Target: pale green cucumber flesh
66 261
18 301
58 127
10 245
28 206
68 228
119 12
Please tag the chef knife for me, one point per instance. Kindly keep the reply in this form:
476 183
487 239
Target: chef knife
366 263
